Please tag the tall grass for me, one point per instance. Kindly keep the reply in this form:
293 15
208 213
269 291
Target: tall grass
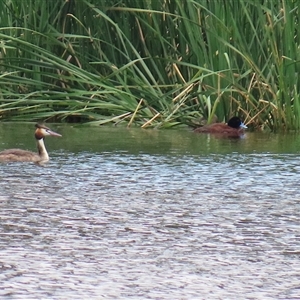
150 63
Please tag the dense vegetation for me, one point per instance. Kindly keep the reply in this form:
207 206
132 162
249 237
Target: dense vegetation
157 63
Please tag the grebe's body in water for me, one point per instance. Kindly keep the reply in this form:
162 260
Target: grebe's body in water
14 155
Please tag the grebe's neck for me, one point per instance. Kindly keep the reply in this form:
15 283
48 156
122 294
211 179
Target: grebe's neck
42 150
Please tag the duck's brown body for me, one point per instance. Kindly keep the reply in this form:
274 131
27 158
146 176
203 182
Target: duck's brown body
219 128
19 155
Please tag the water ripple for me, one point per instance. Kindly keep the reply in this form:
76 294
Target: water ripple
116 226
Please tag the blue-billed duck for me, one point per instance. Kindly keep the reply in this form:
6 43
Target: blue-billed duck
234 127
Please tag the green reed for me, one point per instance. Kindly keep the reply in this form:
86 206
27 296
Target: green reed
150 63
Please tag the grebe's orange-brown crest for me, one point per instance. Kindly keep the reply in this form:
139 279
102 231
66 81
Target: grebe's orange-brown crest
38 125
13 155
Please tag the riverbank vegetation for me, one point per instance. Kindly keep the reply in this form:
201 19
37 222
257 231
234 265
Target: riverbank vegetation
150 63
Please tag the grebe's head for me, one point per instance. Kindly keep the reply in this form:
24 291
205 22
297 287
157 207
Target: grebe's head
235 122
42 131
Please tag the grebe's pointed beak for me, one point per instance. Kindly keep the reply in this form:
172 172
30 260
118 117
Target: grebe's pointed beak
53 133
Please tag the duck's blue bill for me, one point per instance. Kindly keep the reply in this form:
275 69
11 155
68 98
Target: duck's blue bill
243 125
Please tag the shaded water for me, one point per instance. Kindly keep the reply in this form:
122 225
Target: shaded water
133 214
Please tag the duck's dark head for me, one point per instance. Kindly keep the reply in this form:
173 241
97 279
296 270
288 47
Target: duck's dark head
42 131
235 122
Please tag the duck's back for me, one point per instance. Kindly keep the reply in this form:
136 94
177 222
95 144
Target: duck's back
216 128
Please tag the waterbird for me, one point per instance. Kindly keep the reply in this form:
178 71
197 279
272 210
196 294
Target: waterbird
234 128
19 155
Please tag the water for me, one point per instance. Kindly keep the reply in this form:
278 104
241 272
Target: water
133 214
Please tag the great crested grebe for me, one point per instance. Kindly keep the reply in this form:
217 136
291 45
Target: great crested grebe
14 155
234 128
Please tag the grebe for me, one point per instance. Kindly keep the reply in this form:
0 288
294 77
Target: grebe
14 155
234 128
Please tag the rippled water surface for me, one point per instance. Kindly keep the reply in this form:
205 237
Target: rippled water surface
133 214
